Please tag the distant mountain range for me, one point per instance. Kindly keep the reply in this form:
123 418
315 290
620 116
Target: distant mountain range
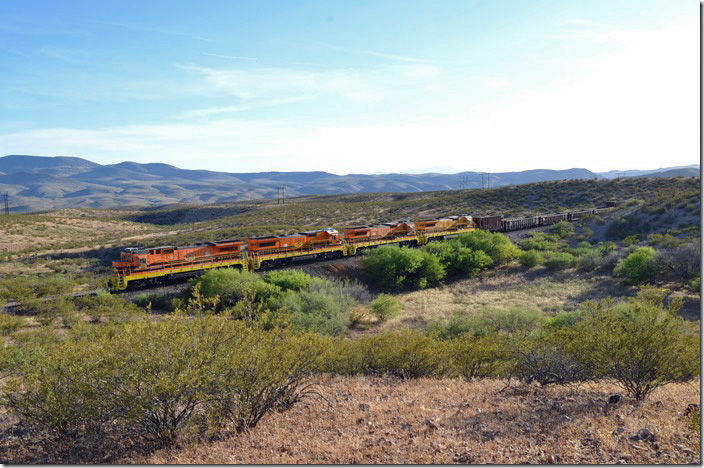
674 171
40 183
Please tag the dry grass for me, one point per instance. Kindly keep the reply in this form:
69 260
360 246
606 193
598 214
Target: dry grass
377 420
30 231
508 288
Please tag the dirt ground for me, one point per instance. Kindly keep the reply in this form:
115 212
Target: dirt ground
384 420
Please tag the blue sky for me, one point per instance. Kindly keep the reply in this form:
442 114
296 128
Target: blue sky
353 86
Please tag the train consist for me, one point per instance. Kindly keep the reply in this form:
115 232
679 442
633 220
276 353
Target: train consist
500 224
154 265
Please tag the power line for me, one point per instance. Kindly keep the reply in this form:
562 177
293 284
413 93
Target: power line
464 182
281 195
488 181
6 197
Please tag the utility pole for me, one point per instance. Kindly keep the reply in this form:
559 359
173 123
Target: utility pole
6 197
620 175
464 182
280 195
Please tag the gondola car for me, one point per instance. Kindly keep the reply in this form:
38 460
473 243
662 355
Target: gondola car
489 223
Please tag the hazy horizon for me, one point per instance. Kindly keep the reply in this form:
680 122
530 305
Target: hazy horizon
429 170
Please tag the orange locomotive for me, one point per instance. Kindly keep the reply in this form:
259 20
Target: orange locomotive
302 240
402 228
159 257
365 233
445 224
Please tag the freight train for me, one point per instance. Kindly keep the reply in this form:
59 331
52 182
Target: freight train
154 265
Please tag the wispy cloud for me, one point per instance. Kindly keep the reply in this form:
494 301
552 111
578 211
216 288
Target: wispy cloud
233 57
213 111
373 53
248 84
364 86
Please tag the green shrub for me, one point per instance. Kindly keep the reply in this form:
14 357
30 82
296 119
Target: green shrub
162 301
16 288
458 259
406 354
476 357
624 227
530 258
159 377
560 261
682 261
540 241
317 311
10 324
641 266
458 324
513 322
294 280
562 319
605 248
48 310
231 285
584 248
696 284
385 306
395 268
497 246
563 229
548 360
61 386
265 370
640 343
630 240
694 420
590 261
104 304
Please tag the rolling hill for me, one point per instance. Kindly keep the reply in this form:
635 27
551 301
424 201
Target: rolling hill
37 183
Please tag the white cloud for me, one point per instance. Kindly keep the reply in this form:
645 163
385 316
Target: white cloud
233 57
384 55
498 83
211 111
255 83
